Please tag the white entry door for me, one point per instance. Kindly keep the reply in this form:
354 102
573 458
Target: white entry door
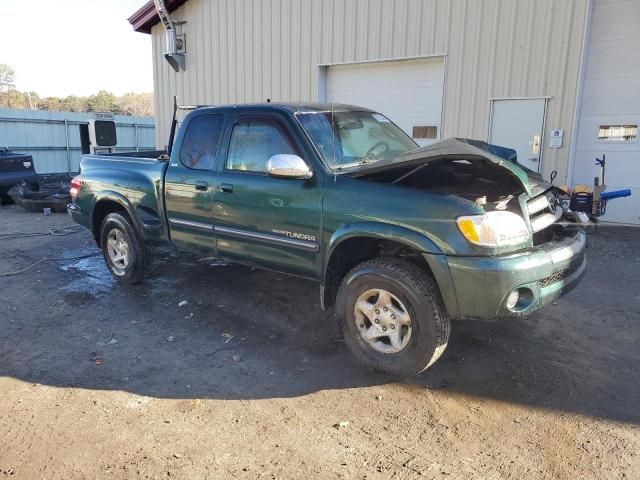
519 124
409 92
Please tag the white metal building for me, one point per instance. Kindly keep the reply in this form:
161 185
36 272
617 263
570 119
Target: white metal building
513 72
53 138
609 105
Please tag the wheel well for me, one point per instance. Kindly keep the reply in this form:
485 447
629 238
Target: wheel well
100 211
354 251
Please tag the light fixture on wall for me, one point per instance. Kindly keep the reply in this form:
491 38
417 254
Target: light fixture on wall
175 43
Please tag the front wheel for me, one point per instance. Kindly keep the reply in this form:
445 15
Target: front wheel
392 316
124 253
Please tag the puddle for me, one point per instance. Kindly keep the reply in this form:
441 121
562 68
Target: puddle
95 277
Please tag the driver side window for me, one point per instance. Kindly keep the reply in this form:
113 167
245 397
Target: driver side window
254 141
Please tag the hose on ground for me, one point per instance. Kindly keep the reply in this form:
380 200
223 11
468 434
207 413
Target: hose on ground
54 259
56 232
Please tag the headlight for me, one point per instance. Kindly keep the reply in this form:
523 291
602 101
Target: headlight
494 229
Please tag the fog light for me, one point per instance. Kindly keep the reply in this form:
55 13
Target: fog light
512 299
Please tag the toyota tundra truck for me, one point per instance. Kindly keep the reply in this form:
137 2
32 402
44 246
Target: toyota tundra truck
401 239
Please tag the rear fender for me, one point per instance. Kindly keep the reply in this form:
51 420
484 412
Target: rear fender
121 200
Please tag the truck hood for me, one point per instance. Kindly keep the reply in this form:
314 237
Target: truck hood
462 149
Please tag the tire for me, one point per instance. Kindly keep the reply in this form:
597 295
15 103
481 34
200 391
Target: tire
412 292
118 227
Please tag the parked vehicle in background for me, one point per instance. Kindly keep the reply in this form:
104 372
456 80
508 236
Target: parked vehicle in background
401 239
15 168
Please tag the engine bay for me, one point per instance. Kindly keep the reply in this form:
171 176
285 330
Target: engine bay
476 180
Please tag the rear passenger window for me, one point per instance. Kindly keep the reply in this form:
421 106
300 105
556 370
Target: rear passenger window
200 142
254 141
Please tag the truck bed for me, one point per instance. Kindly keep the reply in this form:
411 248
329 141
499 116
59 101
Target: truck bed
133 179
155 154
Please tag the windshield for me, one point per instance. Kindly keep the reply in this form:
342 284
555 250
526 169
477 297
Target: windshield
349 139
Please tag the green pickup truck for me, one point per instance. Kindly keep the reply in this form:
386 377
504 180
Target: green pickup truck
401 239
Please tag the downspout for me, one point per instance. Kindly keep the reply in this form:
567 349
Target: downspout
576 113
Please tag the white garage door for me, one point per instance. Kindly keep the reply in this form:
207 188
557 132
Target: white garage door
409 92
610 110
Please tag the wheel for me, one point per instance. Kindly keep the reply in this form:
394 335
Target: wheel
124 253
392 316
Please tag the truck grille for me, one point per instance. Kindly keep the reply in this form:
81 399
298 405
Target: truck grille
558 276
555 278
544 210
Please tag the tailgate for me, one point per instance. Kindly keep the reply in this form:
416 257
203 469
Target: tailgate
16 168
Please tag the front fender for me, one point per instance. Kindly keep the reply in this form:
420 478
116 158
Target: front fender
431 252
383 231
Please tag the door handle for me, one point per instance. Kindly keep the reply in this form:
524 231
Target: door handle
226 188
203 186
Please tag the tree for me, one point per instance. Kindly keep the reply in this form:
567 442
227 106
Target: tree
51 104
102 101
7 84
138 104
74 104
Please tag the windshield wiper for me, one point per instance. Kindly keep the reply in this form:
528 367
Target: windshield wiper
360 163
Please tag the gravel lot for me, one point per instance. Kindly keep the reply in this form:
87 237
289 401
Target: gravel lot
247 380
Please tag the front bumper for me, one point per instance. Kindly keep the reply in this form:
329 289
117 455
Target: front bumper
541 275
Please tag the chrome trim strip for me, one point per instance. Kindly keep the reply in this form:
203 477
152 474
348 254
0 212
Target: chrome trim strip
265 237
234 232
543 221
537 204
189 223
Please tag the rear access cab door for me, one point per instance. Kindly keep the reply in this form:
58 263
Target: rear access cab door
259 219
189 181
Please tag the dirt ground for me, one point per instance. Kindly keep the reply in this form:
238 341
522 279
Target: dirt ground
248 381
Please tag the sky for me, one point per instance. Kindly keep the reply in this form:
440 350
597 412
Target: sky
75 47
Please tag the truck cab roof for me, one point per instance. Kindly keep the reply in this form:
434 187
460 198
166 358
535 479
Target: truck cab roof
292 107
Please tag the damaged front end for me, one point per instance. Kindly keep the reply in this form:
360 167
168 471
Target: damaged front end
522 251
519 208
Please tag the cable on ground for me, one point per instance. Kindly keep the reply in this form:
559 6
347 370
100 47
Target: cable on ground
29 267
56 232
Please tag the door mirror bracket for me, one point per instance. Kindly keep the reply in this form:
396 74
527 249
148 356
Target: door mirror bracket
288 166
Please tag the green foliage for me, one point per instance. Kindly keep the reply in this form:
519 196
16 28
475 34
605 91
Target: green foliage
139 104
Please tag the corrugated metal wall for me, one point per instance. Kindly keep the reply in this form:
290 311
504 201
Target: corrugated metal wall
250 50
42 134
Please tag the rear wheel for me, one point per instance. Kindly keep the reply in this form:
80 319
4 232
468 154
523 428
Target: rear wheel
392 316
123 252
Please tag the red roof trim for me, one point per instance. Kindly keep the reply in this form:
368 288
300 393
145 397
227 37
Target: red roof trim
146 16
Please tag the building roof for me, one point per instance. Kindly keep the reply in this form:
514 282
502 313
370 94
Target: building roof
146 16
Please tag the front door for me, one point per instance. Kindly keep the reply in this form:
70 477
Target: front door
270 222
189 184
519 124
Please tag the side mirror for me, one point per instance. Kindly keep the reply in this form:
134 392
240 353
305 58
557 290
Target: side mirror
288 166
